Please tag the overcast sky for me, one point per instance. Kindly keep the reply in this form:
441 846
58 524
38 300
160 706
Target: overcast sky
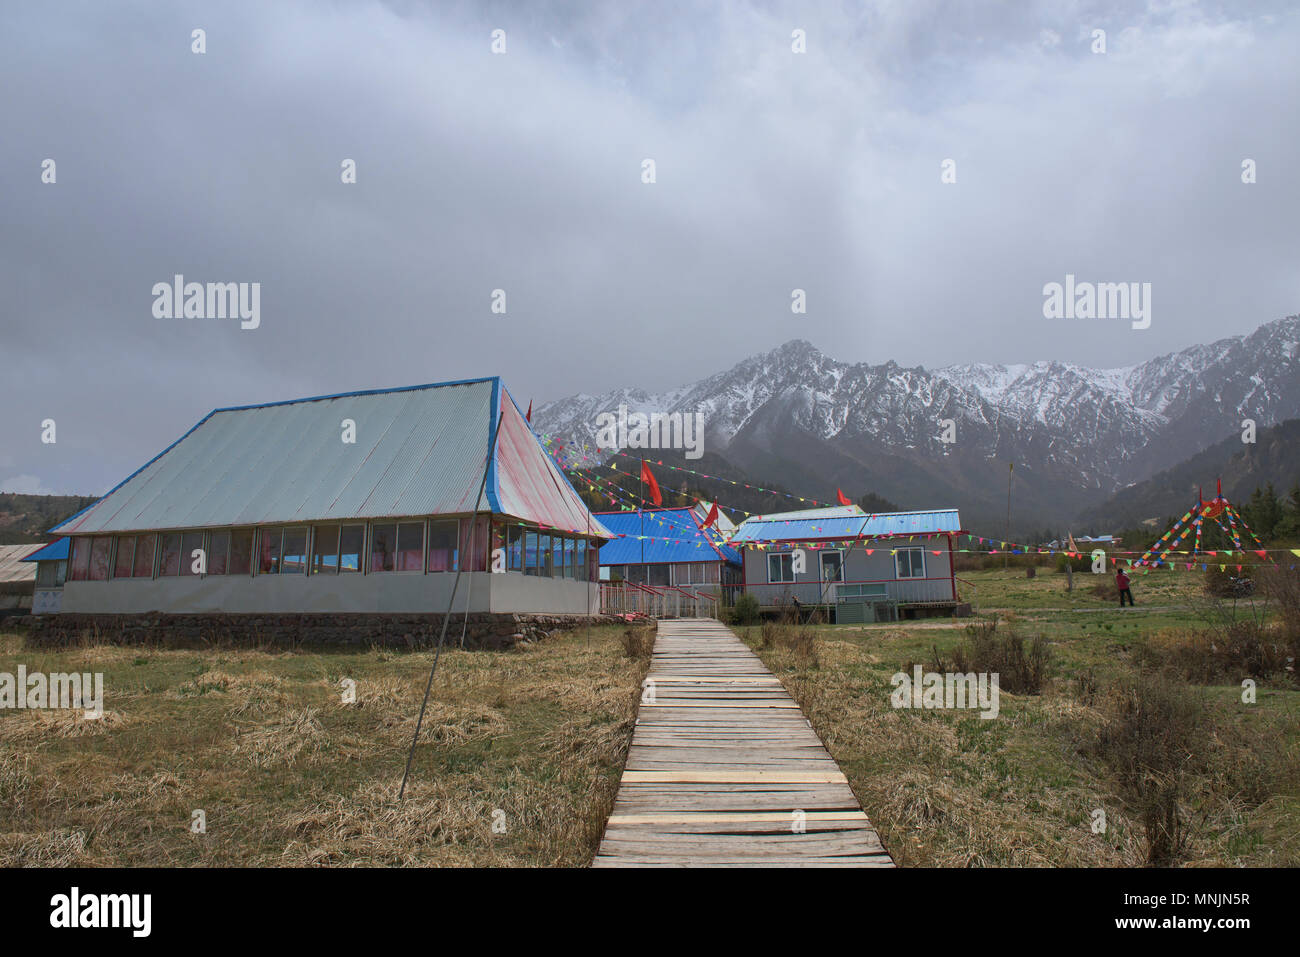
522 171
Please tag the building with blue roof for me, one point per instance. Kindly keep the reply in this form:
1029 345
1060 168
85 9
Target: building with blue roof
51 572
666 547
833 557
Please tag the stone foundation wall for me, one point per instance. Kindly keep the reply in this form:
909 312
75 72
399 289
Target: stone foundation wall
484 630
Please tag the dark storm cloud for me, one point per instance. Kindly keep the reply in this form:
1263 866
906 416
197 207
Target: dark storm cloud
522 172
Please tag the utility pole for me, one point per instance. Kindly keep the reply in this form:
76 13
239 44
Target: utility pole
1011 466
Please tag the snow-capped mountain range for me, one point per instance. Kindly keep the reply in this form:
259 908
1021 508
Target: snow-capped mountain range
814 423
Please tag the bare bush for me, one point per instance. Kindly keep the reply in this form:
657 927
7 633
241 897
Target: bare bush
1152 731
638 641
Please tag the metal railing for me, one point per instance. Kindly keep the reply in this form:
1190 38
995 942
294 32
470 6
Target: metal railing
651 601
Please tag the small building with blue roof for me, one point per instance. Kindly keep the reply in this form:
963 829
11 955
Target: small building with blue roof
667 547
839 556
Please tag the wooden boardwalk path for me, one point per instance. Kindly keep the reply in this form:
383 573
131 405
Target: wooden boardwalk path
724 770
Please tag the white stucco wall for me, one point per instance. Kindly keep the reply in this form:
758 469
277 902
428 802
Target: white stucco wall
394 592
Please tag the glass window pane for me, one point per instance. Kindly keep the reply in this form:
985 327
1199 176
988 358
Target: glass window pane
443 547
580 559
191 542
563 557
100 547
570 558
145 546
658 575
474 555
269 541
515 548
171 555
496 556
325 550
125 556
218 553
80 559
832 567
530 552
544 555
351 542
241 551
410 547
294 561
383 548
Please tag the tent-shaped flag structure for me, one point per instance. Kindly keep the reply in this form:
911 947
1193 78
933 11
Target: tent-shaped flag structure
1218 510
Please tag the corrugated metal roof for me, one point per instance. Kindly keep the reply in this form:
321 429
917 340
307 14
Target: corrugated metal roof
526 482
12 568
418 451
56 551
686 540
847 522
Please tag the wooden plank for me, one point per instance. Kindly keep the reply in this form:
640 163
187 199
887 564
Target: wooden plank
725 771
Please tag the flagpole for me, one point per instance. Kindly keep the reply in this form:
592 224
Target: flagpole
1011 466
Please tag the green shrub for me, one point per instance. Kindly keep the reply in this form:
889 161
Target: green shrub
745 611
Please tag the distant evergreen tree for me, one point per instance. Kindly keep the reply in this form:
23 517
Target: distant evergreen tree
872 503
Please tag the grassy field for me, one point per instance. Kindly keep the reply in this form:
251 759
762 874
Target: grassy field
534 741
948 788
531 740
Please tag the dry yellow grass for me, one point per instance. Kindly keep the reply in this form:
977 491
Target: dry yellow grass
518 762
949 789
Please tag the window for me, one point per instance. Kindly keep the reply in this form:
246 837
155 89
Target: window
780 568
544 555
293 559
171 555
269 540
241 552
832 565
383 548
593 561
875 590
145 548
352 541
50 574
531 555
910 563
581 559
191 542
125 556
570 558
560 550
474 554
658 574
218 553
497 557
100 547
515 548
636 574
80 559
410 547
325 550
444 547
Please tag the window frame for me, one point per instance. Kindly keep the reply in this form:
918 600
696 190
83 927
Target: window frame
822 555
898 553
784 559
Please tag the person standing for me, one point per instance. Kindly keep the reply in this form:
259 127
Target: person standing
1122 583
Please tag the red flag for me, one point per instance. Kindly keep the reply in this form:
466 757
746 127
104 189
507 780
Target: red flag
529 416
649 479
712 516
840 495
